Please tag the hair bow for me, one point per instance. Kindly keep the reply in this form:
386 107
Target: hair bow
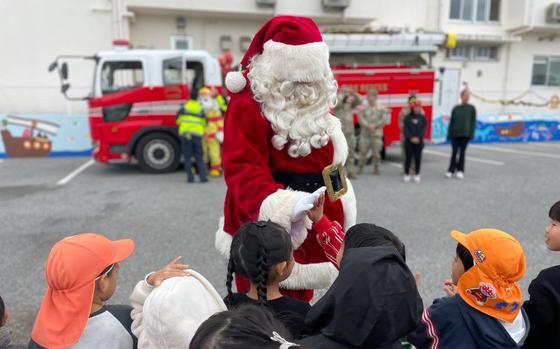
284 344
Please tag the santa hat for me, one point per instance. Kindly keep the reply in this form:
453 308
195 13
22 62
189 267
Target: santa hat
294 47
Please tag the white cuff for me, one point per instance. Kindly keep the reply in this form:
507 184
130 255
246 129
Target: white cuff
279 207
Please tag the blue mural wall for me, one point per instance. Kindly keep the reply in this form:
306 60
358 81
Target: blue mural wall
72 137
506 127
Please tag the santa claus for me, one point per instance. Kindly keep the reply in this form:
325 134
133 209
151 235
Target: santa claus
282 144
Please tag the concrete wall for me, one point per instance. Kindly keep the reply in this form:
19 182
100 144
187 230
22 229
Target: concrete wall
34 32
155 30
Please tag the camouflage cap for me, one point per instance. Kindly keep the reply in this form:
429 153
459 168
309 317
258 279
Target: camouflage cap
372 93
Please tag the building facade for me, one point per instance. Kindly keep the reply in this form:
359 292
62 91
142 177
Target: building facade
507 53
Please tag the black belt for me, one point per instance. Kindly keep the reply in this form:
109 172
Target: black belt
308 182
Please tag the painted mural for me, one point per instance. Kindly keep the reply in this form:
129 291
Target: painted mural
44 135
506 127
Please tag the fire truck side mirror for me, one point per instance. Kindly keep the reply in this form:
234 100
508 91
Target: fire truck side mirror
64 71
64 87
53 66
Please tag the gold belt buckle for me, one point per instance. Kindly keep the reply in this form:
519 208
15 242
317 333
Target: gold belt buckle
335 171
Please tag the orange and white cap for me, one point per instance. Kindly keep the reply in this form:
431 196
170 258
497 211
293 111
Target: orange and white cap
490 285
72 267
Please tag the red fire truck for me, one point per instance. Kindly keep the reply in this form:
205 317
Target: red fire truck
136 96
137 93
394 85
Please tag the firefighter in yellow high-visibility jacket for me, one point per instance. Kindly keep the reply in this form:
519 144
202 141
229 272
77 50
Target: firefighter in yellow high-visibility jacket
213 134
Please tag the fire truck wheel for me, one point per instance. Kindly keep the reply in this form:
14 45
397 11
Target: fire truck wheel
158 153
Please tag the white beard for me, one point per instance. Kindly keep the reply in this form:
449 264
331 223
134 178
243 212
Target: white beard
299 112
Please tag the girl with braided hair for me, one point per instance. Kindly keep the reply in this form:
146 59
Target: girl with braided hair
262 253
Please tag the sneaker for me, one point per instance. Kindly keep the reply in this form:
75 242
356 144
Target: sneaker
460 175
448 174
406 178
417 179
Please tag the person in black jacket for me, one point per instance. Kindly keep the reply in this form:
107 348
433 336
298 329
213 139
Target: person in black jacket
415 126
543 306
374 301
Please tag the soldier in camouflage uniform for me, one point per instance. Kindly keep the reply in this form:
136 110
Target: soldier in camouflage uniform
372 120
347 101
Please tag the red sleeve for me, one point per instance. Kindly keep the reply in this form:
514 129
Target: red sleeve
246 160
330 236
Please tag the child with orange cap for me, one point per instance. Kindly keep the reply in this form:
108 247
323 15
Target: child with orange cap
543 306
81 273
486 312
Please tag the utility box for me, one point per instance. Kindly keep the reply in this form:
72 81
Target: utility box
336 4
268 3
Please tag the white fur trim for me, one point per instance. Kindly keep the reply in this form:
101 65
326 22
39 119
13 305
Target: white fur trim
279 206
235 81
304 276
349 206
311 276
338 140
222 240
304 63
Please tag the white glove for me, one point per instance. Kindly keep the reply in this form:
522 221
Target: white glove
305 204
220 137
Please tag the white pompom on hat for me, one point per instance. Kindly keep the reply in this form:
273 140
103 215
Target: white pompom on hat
235 81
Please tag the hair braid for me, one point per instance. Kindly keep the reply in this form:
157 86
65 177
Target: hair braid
229 280
262 278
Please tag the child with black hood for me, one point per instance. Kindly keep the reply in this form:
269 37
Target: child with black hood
374 301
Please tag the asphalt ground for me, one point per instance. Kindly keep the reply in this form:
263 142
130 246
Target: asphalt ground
509 187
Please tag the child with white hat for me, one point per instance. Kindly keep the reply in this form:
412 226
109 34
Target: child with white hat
169 305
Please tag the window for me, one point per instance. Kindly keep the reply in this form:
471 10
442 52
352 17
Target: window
546 71
485 53
195 75
475 10
473 53
172 72
120 76
181 42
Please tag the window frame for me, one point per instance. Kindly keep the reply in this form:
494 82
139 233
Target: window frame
471 54
472 19
548 60
163 77
103 61
174 38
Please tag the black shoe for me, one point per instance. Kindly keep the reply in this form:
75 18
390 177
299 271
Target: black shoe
204 180
190 180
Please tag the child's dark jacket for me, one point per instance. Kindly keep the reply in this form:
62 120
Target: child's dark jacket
452 323
543 310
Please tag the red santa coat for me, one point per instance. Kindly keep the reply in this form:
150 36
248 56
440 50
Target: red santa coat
249 159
